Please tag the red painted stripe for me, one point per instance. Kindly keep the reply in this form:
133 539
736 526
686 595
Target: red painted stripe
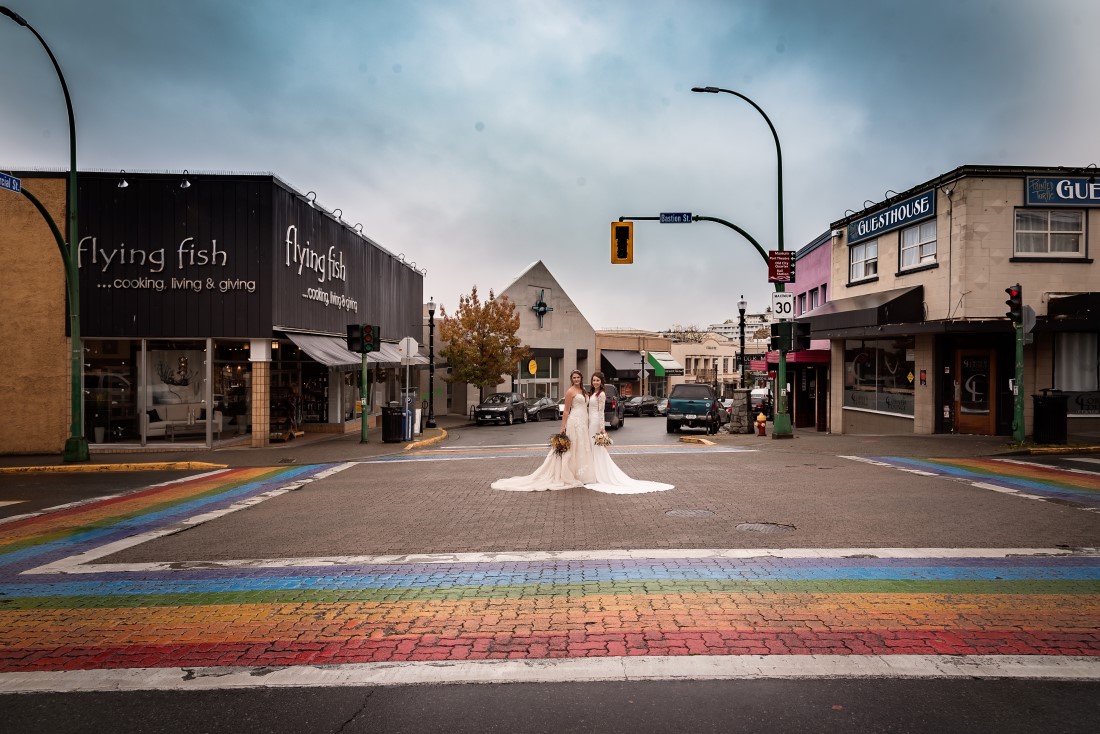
563 645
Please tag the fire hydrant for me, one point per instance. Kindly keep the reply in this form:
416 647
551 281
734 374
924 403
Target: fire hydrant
761 422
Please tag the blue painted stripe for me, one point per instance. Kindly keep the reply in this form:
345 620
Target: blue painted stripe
499 577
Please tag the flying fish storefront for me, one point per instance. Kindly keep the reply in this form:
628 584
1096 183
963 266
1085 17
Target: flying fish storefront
218 309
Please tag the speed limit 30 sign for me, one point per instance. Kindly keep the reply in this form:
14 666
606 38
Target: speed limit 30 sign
783 306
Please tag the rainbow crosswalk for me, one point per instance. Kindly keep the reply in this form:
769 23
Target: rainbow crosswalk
65 608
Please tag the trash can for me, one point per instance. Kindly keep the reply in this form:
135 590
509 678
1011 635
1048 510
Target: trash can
1051 419
392 419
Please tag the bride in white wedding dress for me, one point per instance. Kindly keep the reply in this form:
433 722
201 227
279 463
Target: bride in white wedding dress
572 468
606 476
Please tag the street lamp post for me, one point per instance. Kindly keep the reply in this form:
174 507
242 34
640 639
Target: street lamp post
741 306
76 446
781 427
431 364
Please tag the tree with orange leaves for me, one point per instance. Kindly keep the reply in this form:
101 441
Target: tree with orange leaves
480 342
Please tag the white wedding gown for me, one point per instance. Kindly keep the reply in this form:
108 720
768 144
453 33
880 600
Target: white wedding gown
561 471
606 476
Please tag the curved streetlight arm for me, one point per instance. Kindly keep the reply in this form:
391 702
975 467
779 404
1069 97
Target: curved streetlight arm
76 447
775 136
49 220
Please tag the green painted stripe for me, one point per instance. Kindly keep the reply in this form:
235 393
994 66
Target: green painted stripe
383 596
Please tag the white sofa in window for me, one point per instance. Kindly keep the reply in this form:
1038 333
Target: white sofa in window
159 419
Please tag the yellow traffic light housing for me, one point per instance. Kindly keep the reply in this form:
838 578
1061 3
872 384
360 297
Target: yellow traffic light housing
622 243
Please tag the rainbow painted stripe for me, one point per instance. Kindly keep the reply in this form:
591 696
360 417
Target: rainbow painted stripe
1078 488
539 608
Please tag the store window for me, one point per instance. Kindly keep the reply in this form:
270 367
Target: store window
863 261
538 378
1077 371
879 374
233 386
177 393
1049 233
110 390
918 245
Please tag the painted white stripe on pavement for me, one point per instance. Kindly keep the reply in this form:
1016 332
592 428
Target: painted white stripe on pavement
559 670
540 556
81 561
5 503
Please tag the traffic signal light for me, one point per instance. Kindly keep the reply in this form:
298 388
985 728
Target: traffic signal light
800 337
355 338
781 337
1015 304
364 338
622 243
372 338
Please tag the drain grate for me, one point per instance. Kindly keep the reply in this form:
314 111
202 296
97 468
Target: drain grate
689 513
287 461
765 527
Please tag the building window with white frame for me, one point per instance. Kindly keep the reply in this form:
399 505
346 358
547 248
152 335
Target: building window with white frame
813 299
824 300
863 261
801 303
1049 232
918 245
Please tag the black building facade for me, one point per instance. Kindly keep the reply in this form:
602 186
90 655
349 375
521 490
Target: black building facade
215 306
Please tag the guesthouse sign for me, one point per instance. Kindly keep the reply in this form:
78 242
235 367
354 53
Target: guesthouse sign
1076 191
897 216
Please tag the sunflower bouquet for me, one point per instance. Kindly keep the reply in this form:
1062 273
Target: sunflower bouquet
602 439
560 443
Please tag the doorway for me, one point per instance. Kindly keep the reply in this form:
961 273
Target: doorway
974 404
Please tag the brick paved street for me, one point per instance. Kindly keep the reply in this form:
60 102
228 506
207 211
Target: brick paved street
104 585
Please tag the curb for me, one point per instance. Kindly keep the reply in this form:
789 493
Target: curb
85 468
696 439
427 441
1063 449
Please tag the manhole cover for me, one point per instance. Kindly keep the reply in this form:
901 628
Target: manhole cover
689 513
765 527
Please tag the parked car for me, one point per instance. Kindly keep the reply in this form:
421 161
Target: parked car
561 407
501 407
641 405
760 401
662 406
614 410
542 409
693 405
725 414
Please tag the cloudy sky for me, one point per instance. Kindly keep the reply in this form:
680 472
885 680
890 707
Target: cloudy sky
478 137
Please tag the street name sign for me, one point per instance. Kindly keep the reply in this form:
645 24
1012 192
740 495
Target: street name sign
783 306
780 266
11 183
675 217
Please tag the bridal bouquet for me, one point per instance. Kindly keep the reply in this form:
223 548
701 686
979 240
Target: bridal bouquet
560 443
602 439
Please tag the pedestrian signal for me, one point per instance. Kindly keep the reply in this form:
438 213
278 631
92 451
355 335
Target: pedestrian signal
622 243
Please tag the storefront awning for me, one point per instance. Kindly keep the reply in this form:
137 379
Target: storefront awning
897 306
328 350
332 351
665 365
622 364
1080 306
